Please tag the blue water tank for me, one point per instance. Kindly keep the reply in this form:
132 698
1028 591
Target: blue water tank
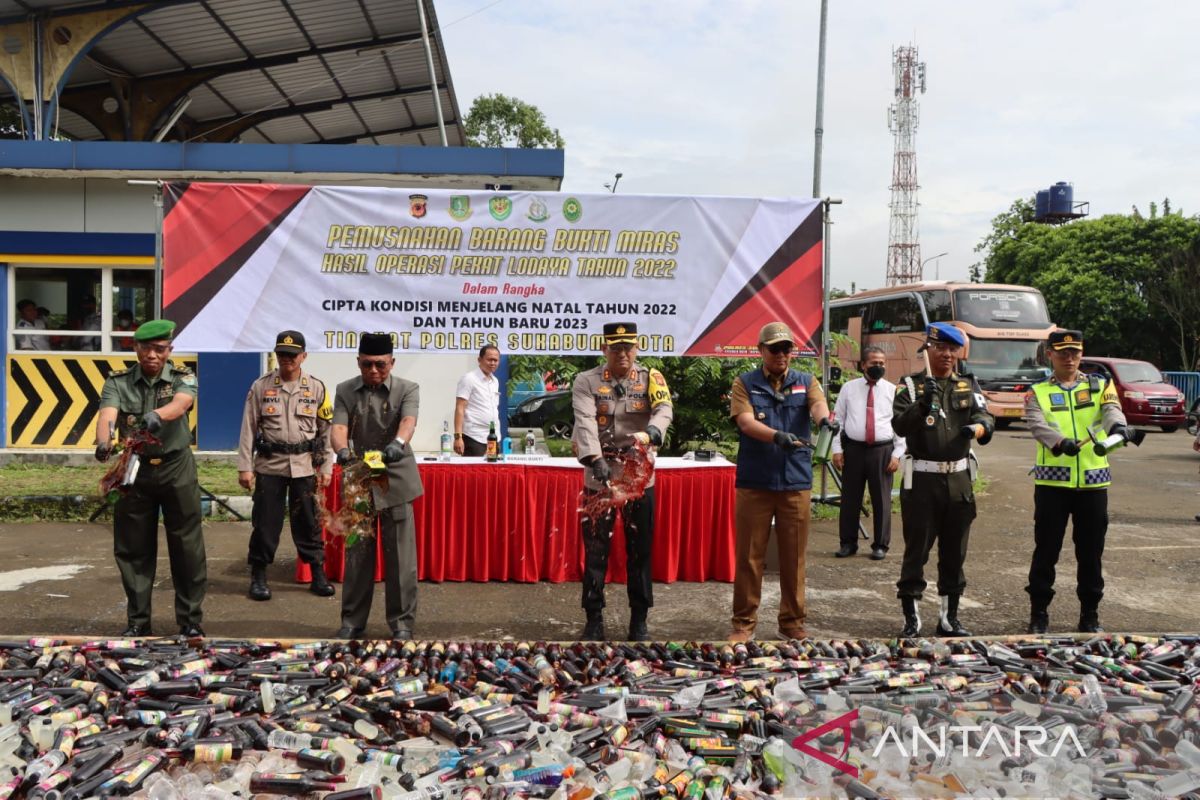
1062 198
1041 208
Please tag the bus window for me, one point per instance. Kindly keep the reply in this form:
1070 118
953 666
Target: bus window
937 305
840 316
896 315
992 308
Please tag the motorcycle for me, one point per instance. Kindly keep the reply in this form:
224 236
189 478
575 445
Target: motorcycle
1193 418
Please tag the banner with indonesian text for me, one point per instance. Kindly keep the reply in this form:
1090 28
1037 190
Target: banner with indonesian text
445 270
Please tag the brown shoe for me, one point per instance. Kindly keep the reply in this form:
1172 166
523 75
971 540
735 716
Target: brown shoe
740 636
793 633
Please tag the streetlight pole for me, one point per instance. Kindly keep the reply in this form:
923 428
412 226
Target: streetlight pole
936 267
612 187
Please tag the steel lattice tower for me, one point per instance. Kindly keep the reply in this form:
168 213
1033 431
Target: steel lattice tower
904 248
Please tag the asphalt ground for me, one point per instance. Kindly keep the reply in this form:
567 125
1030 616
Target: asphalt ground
60 578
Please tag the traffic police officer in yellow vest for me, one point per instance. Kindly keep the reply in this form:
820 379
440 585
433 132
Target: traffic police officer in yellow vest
156 396
617 404
1070 478
281 454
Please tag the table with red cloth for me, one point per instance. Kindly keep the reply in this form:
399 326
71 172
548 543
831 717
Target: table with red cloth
519 521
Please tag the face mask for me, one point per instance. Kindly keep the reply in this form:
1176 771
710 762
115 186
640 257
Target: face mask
876 372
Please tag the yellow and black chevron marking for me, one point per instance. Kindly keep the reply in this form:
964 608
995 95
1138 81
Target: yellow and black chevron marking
53 400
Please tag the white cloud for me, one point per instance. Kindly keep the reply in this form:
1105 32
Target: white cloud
707 97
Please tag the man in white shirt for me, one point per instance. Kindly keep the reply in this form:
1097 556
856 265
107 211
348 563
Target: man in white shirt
867 453
27 312
477 405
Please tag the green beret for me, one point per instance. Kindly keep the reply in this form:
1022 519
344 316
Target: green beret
154 329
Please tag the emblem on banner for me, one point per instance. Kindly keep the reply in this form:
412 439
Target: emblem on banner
417 205
460 206
537 211
500 208
572 209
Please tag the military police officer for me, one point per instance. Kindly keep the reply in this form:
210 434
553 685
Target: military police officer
284 441
940 414
1070 479
618 404
378 411
156 395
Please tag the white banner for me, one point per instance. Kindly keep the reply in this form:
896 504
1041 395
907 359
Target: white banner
528 272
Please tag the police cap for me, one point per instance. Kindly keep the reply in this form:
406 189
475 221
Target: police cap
1065 340
289 342
620 333
154 329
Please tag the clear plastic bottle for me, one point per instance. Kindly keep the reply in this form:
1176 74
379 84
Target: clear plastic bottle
280 739
447 441
530 443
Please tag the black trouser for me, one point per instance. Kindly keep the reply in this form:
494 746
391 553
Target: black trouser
866 466
471 447
169 486
938 508
1052 505
398 538
270 494
638 516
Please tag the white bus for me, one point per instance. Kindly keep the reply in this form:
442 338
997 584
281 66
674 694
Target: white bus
1006 328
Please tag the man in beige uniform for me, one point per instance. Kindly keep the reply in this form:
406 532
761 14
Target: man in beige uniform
617 404
285 438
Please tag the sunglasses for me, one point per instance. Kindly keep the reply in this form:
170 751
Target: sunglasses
378 365
780 348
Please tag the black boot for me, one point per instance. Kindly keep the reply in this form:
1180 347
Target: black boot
1089 620
948 624
912 618
594 630
320 585
258 583
638 631
1039 620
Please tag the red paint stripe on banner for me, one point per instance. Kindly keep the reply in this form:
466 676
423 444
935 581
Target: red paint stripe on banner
784 299
211 221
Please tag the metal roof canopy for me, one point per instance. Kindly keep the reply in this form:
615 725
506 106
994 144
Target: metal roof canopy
257 71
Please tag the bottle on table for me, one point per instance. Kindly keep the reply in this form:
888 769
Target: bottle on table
493 443
447 440
530 443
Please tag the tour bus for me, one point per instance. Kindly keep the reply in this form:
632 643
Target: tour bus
1006 328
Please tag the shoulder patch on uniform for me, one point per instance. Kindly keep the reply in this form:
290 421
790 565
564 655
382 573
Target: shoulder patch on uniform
187 379
659 393
325 412
117 373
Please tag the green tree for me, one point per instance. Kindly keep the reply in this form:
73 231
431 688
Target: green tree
1176 293
1100 276
497 120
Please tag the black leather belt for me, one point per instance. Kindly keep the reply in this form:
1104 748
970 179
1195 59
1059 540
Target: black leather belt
161 458
285 448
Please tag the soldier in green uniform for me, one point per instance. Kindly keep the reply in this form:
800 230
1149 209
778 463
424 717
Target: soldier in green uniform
156 395
940 414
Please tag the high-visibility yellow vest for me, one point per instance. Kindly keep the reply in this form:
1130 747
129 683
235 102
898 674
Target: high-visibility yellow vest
1073 411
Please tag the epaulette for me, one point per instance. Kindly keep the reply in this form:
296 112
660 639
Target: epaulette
181 369
117 373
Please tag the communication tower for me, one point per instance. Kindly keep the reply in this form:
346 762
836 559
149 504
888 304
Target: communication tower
904 248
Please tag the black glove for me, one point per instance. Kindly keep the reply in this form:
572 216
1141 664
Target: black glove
600 469
393 452
967 432
343 456
1068 447
655 435
930 392
104 451
786 440
152 421
833 426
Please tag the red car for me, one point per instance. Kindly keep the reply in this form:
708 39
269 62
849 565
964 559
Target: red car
1146 397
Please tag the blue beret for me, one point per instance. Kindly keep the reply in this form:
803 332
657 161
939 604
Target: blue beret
945 332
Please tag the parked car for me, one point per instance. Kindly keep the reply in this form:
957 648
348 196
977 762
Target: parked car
1146 397
551 412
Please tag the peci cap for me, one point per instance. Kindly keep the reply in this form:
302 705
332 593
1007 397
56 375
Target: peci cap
620 333
289 342
945 332
1065 340
154 329
774 332
375 344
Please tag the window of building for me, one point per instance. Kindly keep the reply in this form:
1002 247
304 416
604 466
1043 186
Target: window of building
78 308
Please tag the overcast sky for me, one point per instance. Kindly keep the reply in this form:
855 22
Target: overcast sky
719 98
